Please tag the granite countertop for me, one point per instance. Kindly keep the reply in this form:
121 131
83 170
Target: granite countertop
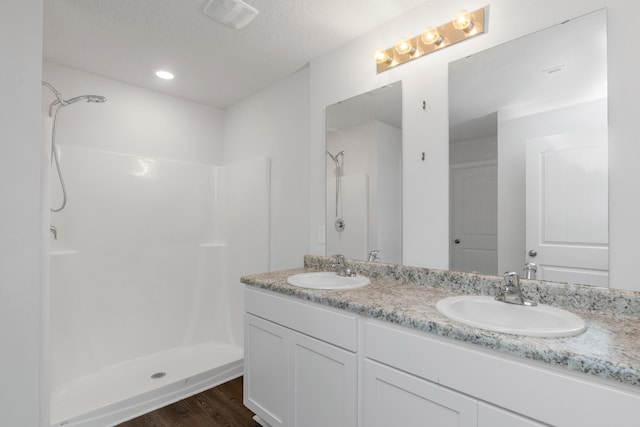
407 296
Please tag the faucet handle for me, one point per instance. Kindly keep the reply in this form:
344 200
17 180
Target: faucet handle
512 279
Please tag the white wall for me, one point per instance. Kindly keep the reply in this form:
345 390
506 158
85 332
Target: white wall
23 305
134 121
350 70
474 150
274 124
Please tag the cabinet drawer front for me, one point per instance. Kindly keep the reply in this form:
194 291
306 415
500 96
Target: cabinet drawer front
333 326
395 398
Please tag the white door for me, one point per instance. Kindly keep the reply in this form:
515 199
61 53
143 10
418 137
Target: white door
474 218
567 207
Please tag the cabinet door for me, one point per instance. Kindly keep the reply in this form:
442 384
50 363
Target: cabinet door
323 384
394 398
491 416
265 370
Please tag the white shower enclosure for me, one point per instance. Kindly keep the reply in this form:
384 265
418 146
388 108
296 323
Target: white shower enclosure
146 306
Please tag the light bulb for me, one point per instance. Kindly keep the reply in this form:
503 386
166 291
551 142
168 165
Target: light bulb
381 57
462 21
404 46
432 36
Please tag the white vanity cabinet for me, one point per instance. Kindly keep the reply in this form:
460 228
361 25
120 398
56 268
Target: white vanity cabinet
300 362
309 365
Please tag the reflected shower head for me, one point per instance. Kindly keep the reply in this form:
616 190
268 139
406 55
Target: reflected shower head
96 98
336 157
88 98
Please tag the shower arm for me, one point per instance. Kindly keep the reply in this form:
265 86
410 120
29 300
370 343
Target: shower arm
59 98
61 102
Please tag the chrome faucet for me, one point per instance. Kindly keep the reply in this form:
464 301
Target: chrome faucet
511 292
341 267
54 231
530 271
373 255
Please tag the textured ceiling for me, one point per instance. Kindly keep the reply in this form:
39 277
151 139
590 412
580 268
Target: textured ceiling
213 64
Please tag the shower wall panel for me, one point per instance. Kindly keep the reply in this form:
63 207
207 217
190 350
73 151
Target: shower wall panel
138 269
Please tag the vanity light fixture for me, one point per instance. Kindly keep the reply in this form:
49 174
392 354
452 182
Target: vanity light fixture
404 46
431 36
463 21
464 26
165 75
382 57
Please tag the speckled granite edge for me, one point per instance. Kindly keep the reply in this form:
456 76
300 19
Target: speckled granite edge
609 349
580 297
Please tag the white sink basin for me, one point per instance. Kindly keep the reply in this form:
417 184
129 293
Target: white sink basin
327 280
485 312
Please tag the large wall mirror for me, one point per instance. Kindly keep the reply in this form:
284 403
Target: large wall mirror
528 155
364 175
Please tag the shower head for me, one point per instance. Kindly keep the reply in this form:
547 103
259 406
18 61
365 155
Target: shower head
335 158
64 102
88 98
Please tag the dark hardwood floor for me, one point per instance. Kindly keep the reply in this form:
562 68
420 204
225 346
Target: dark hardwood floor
217 407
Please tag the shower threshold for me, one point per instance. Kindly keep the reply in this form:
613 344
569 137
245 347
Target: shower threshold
120 392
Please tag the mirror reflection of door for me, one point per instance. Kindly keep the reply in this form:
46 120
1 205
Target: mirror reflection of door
474 204
547 86
567 206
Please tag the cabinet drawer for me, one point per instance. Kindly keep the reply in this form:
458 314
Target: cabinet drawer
333 326
395 398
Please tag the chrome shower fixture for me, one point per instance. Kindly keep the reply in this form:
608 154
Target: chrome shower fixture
339 222
54 108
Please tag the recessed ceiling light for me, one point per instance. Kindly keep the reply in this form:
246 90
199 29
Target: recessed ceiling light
166 75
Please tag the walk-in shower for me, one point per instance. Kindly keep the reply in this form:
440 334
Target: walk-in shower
54 109
146 304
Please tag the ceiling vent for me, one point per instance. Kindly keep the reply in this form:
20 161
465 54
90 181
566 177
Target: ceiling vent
232 13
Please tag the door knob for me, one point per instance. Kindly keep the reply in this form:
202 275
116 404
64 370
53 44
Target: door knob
533 253
457 241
